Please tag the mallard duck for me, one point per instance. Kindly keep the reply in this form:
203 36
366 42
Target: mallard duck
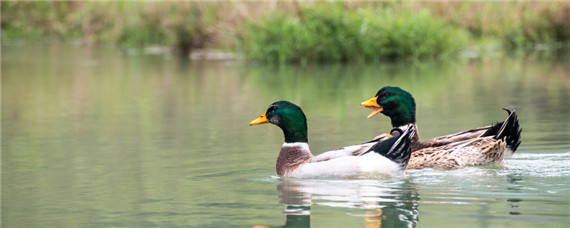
386 158
480 146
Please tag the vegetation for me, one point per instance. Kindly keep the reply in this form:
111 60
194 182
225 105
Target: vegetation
130 24
328 33
297 32
517 25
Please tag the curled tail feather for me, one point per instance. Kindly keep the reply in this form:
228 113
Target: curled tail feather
508 130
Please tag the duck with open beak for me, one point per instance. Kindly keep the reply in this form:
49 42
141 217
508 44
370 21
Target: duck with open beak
373 104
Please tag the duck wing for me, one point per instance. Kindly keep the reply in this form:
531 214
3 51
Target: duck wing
397 149
508 130
353 150
474 152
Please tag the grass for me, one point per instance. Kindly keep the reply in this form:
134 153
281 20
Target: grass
297 32
517 25
129 24
332 34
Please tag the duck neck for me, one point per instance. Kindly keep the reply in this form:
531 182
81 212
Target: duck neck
401 112
291 156
294 129
296 135
396 122
406 126
402 116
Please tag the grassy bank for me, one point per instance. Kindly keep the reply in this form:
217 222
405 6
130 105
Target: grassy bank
130 24
331 33
296 32
518 25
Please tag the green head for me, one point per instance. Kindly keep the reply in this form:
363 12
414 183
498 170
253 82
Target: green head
287 116
395 103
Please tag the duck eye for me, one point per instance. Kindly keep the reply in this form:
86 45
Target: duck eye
271 110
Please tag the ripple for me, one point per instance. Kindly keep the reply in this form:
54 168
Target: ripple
528 182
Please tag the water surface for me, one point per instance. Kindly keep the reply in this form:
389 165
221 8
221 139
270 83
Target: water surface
96 137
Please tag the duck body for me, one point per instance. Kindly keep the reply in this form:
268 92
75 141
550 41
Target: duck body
480 146
458 150
296 160
353 150
475 152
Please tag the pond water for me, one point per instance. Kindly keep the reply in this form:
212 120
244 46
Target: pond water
97 137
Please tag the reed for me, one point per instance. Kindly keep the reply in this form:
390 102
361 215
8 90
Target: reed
296 32
516 24
332 33
183 25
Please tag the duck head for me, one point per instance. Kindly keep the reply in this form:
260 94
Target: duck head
287 116
395 103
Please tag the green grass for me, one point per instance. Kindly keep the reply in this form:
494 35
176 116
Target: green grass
283 32
548 28
520 26
333 34
128 24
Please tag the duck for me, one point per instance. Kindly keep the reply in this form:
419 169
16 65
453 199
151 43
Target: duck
479 146
387 158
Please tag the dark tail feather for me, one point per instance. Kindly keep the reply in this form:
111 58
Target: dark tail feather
396 149
509 130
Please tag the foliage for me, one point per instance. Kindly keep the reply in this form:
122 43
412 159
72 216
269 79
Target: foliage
131 24
31 20
549 26
332 33
297 32
518 25
184 25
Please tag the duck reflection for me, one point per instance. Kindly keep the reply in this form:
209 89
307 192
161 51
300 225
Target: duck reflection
385 203
514 179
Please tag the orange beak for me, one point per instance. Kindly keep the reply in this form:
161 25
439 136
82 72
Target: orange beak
373 104
261 120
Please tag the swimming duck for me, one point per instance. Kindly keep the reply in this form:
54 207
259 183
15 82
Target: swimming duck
387 158
480 146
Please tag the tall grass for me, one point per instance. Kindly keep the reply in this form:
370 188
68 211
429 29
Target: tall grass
333 33
277 31
549 27
516 24
184 25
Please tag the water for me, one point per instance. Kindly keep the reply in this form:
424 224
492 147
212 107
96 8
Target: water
97 137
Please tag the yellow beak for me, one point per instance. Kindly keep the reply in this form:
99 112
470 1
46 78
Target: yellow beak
373 104
261 120
375 112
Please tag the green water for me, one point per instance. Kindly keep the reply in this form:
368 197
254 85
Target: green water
97 137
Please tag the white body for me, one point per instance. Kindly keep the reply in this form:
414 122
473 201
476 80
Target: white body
353 150
340 164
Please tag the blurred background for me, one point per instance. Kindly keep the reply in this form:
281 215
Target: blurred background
292 31
135 114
